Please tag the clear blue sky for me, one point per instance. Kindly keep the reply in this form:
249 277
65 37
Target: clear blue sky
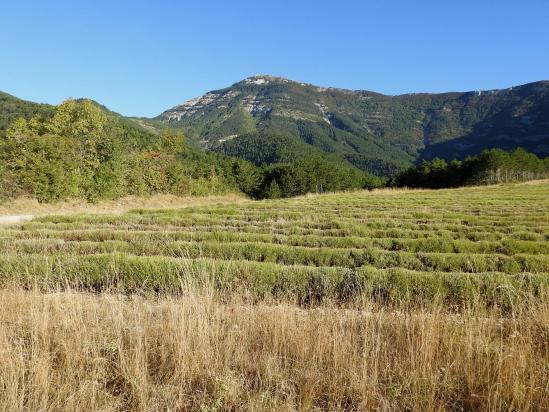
142 57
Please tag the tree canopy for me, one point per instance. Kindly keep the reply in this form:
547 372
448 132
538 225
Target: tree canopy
81 150
490 167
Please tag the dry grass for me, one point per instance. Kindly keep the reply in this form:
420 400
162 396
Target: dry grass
434 300
536 182
28 206
403 190
68 351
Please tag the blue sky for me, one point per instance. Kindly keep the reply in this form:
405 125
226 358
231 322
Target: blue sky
142 57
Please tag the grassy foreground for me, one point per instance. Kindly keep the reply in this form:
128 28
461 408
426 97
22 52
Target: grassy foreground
391 300
64 350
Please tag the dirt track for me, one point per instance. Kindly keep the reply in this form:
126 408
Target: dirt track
6 220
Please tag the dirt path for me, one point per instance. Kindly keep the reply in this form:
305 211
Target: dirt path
20 209
8 220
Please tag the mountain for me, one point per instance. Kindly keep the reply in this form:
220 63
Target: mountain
266 119
269 119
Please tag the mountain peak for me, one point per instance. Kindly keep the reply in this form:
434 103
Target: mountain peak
267 79
260 79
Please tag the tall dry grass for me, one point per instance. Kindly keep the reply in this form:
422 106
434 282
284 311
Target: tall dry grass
29 206
75 351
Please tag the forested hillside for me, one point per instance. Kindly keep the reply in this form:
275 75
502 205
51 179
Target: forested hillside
82 150
12 108
265 119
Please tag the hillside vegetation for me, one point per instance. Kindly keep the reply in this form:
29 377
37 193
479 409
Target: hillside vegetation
390 299
82 150
374 132
488 168
79 149
12 108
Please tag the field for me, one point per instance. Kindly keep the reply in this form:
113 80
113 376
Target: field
392 299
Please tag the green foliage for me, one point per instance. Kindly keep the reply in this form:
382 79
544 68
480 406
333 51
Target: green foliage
490 167
265 148
312 174
292 168
379 134
12 108
291 139
43 166
171 142
82 150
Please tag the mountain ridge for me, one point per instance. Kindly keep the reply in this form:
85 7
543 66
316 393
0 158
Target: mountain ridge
375 132
269 119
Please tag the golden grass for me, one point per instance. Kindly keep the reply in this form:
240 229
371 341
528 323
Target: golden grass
74 351
238 350
402 190
536 182
28 206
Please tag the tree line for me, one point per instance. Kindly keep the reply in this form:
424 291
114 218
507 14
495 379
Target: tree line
82 151
489 167
312 174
